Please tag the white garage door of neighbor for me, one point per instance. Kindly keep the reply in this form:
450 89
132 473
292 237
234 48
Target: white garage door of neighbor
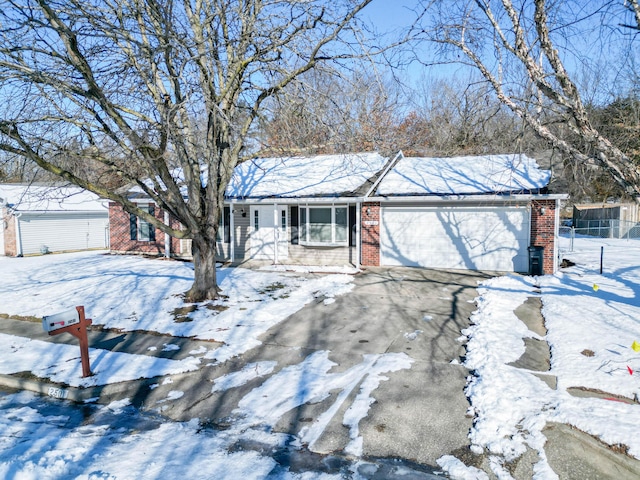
470 238
57 232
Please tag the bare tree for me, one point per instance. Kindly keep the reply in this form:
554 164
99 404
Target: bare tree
464 117
330 112
518 48
160 93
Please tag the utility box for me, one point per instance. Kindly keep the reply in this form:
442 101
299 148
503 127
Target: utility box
536 259
60 320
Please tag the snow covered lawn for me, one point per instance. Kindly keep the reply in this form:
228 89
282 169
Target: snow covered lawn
593 321
45 439
134 293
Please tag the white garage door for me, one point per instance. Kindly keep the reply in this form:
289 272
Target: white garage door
57 232
471 238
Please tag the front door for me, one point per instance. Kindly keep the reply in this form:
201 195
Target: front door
268 237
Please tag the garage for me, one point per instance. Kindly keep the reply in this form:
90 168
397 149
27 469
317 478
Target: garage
40 219
56 232
493 238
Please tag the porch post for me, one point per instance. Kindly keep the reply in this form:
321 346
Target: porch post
167 238
232 232
276 233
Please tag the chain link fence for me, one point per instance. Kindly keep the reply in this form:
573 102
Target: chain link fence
601 229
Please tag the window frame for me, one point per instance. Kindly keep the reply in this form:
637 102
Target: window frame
304 223
136 225
223 235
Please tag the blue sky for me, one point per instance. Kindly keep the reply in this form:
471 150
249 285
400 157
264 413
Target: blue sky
395 17
391 13
594 56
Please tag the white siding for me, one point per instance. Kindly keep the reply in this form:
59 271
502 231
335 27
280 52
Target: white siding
471 238
59 231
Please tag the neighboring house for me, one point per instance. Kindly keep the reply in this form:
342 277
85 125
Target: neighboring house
478 213
43 218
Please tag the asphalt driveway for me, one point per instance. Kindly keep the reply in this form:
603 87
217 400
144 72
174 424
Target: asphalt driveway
419 413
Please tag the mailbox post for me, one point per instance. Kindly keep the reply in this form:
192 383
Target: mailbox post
75 323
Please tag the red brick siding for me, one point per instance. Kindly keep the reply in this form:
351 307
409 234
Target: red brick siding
543 231
120 236
10 246
370 234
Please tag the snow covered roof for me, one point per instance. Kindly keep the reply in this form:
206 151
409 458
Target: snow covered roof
463 176
291 177
41 198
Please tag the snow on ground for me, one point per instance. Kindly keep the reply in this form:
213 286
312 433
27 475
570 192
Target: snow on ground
115 442
134 293
46 440
60 363
593 320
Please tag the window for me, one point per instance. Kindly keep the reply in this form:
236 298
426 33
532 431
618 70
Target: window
140 229
294 225
224 226
256 220
323 226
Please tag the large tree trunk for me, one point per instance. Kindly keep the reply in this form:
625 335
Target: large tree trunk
205 286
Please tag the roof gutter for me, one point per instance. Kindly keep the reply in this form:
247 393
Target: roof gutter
467 198
292 201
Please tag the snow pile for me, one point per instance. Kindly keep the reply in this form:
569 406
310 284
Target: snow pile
41 445
592 323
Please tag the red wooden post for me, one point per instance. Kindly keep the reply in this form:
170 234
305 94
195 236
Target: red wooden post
79 330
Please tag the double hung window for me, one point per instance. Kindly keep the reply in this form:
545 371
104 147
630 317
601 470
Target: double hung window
140 229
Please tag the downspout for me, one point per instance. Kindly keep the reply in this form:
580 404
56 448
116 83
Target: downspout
556 233
167 238
529 237
18 235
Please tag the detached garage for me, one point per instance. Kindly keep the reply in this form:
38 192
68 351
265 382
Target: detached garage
472 213
43 219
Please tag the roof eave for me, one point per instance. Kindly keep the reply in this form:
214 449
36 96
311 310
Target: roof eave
468 198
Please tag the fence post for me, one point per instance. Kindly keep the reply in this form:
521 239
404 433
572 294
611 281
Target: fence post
572 235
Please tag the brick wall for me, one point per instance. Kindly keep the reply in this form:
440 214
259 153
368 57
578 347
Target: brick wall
120 236
370 234
543 217
10 246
